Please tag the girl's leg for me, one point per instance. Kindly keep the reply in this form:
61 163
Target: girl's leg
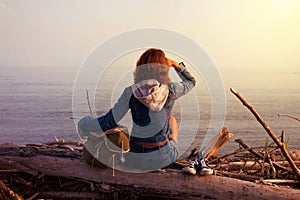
174 126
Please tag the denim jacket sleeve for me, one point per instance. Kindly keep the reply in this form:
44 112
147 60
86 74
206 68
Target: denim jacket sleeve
188 82
117 112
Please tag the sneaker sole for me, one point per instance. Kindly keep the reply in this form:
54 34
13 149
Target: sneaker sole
188 171
206 173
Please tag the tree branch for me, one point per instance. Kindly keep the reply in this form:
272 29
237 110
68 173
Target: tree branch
290 116
270 132
89 104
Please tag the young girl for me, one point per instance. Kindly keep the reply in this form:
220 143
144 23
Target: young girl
153 138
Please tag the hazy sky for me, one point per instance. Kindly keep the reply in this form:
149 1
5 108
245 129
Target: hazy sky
235 33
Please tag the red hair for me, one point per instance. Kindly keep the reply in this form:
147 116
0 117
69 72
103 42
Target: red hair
152 64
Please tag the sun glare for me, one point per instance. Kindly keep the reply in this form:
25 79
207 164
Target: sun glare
282 5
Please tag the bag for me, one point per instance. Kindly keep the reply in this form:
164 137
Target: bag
103 150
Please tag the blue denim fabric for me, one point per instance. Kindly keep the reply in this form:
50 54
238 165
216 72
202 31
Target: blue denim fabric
153 160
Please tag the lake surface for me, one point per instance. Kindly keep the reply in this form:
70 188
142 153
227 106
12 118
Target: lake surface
36 103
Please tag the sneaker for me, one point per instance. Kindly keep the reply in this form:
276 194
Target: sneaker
204 169
192 168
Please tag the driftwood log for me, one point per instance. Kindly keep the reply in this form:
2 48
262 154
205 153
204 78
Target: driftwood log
224 137
214 145
67 176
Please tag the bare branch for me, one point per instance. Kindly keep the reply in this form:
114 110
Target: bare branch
290 116
89 104
270 132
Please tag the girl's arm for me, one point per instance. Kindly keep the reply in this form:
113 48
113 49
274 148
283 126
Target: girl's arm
117 112
110 119
188 80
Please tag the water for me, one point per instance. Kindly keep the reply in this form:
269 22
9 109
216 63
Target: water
36 103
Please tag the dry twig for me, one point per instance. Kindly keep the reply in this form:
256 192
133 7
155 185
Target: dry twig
89 104
270 132
264 158
290 116
6 193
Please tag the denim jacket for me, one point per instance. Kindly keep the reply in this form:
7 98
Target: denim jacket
149 125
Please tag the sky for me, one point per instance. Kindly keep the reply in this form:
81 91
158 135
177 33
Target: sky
235 33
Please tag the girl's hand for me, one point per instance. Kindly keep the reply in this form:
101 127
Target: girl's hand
172 63
87 125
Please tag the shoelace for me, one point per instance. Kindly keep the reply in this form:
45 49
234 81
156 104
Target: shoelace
193 163
203 164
